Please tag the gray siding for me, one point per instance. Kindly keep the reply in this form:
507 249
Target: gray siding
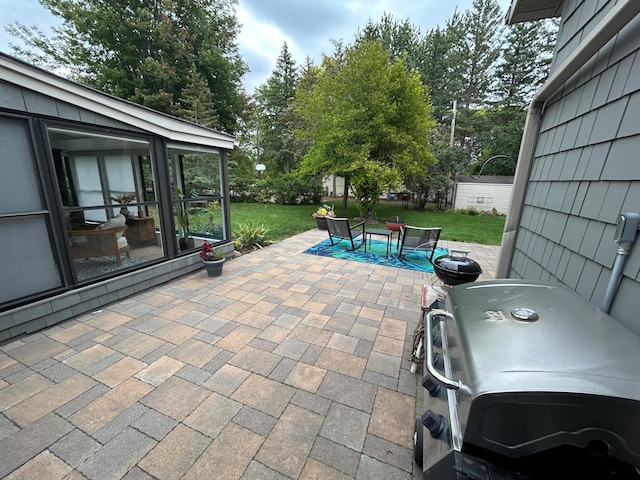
21 100
586 168
37 315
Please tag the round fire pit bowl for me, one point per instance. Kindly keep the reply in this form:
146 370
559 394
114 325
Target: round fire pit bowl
456 268
395 223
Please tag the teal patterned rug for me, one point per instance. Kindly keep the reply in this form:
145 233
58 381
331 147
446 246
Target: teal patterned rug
376 254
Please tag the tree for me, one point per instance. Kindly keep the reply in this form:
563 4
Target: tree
440 63
479 47
399 38
522 68
144 51
369 120
196 102
276 116
524 62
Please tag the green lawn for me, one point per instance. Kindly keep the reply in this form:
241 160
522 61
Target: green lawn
286 220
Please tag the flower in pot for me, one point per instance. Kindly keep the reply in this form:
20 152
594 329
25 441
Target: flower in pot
321 213
212 261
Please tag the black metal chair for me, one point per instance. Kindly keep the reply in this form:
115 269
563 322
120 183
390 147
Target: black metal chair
418 238
339 228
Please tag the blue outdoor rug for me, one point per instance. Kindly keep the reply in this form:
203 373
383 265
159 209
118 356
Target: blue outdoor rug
376 254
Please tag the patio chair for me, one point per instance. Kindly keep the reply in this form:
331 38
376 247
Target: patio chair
339 228
106 239
418 238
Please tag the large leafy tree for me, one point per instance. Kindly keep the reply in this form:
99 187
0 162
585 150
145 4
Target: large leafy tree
369 119
144 51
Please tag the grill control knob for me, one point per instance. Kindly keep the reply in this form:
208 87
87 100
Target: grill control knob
432 387
437 340
434 422
437 360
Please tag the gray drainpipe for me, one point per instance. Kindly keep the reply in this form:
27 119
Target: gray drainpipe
609 26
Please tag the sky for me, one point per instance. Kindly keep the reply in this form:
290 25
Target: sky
307 26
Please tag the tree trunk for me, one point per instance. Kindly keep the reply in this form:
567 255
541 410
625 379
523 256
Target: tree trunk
345 194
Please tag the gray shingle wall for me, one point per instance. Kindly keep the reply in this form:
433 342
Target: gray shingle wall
28 101
586 168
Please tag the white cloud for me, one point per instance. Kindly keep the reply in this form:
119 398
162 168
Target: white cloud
308 26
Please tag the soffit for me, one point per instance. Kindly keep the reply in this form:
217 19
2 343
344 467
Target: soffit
529 10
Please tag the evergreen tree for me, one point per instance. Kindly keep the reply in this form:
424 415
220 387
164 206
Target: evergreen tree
480 49
399 38
196 102
442 67
276 118
524 62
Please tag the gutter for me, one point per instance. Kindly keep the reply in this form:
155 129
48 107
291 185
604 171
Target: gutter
619 16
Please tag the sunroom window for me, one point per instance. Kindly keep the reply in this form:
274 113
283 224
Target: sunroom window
108 193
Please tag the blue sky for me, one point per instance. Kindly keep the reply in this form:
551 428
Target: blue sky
308 26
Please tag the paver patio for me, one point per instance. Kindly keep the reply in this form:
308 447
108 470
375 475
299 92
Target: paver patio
288 366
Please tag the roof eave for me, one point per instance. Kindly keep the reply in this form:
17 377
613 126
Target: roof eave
32 78
530 10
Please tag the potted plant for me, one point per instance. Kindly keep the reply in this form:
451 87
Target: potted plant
124 199
395 223
182 217
321 213
212 262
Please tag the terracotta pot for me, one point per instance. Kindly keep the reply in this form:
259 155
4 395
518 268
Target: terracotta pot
394 223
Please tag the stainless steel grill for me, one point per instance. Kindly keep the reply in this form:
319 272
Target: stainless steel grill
528 381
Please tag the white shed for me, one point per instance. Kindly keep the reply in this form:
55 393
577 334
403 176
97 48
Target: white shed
483 193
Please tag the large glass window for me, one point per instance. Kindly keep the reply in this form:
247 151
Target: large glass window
196 184
108 194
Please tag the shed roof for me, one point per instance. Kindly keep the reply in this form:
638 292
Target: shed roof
504 179
528 10
24 75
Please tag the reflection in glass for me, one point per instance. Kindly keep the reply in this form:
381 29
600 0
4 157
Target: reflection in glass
197 195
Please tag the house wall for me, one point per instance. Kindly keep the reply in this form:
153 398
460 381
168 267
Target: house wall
19 99
68 301
483 196
586 169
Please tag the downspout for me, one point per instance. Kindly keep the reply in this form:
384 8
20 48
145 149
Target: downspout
626 233
609 26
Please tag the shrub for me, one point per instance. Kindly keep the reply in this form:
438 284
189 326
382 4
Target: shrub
251 234
468 211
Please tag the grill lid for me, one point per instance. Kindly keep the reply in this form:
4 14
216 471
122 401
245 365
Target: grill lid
543 368
456 268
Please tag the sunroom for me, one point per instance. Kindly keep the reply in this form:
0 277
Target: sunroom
99 198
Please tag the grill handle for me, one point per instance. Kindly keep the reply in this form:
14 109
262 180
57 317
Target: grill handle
437 376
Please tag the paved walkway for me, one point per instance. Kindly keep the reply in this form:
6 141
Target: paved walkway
289 366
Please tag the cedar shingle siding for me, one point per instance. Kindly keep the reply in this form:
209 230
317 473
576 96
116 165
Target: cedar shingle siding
586 168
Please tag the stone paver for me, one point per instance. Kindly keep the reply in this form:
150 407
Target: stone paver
175 454
290 442
228 455
289 366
